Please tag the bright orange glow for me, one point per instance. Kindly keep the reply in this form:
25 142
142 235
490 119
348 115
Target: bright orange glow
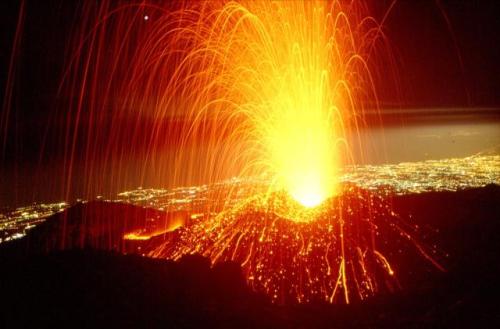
158 226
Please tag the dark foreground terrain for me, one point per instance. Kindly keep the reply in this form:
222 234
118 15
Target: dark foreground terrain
89 288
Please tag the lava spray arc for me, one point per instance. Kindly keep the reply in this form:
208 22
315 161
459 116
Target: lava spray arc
266 89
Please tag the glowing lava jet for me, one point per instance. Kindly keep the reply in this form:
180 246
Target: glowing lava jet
282 68
263 89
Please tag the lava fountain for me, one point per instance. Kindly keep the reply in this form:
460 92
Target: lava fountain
285 72
235 88
278 74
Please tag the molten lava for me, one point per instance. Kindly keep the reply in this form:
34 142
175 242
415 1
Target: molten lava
326 253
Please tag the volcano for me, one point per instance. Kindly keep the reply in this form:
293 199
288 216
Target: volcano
98 285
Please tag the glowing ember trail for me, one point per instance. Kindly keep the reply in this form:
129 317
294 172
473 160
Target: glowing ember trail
250 89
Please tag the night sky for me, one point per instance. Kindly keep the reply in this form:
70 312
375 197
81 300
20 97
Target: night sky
428 51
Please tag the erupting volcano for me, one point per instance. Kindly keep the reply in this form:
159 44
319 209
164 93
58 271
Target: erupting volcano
268 89
249 163
271 92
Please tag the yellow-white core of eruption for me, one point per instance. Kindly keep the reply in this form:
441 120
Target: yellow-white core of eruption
302 150
299 114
